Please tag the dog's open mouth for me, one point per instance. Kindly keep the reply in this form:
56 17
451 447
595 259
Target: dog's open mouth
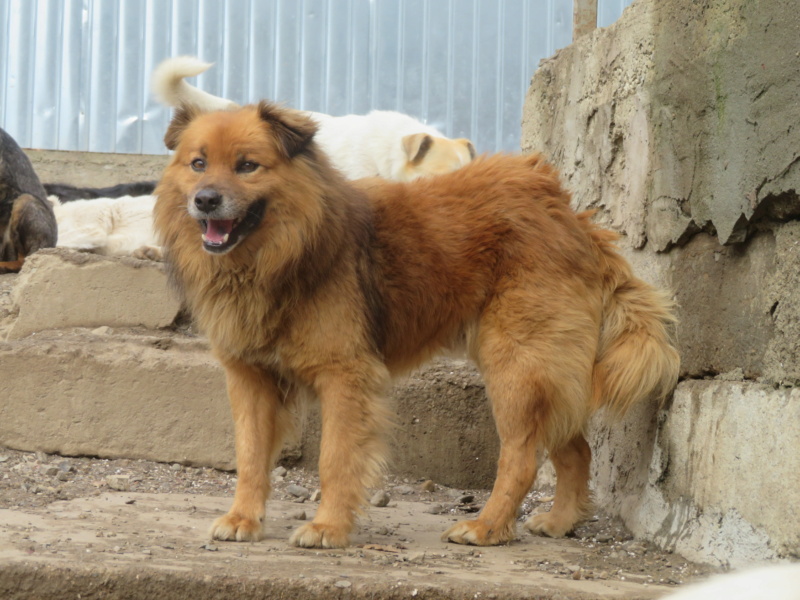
221 235
217 232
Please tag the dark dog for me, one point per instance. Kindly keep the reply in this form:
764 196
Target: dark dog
27 221
67 193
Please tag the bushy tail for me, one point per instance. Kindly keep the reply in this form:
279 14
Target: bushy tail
636 358
169 87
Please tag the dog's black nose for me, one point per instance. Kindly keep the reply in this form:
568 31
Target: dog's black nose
207 199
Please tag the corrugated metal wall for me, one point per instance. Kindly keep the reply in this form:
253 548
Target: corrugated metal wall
74 73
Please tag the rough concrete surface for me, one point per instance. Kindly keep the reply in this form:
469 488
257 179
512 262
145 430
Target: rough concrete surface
58 289
676 119
138 546
117 528
677 125
92 169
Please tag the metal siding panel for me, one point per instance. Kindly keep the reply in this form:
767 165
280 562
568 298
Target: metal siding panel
20 71
289 24
263 53
314 36
211 45
131 77
71 109
236 44
158 36
104 73
5 26
44 127
75 74
360 58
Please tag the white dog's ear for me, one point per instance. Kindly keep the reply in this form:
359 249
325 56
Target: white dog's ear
183 116
468 145
293 129
416 146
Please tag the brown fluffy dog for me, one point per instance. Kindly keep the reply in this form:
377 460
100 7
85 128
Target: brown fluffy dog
309 285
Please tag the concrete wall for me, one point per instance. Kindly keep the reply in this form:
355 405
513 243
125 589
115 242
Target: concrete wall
678 124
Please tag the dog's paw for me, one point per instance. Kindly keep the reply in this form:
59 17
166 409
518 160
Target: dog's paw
149 253
549 524
233 527
478 533
319 535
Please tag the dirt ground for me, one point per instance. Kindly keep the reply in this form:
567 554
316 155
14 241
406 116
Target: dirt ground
121 528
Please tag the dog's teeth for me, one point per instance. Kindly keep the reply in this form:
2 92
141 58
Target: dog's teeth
225 239
205 238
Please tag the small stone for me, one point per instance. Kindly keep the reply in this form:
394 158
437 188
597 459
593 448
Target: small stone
121 483
434 509
298 491
404 490
210 547
604 538
635 547
176 467
316 496
52 471
41 457
4 458
101 330
577 574
383 530
416 557
380 499
63 476
300 515
343 584
65 467
279 471
428 486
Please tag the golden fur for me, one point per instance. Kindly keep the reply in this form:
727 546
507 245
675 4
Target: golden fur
328 288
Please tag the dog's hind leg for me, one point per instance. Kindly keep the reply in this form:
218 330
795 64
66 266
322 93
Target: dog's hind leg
32 226
572 502
261 421
355 420
538 369
12 266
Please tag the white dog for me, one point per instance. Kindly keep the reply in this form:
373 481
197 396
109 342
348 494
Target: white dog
382 143
775 582
109 226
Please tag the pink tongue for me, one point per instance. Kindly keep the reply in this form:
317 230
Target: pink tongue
217 229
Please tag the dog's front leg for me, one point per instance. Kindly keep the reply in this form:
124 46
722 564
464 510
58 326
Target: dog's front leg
352 452
260 422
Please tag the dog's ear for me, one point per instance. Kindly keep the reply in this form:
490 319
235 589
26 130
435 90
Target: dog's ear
183 116
293 129
416 146
468 145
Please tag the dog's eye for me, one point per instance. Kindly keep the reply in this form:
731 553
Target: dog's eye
247 166
198 164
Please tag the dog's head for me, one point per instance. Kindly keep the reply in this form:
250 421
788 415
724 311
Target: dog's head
227 163
431 155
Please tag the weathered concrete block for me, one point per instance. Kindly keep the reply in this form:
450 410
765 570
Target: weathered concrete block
674 119
163 397
59 288
151 397
723 481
